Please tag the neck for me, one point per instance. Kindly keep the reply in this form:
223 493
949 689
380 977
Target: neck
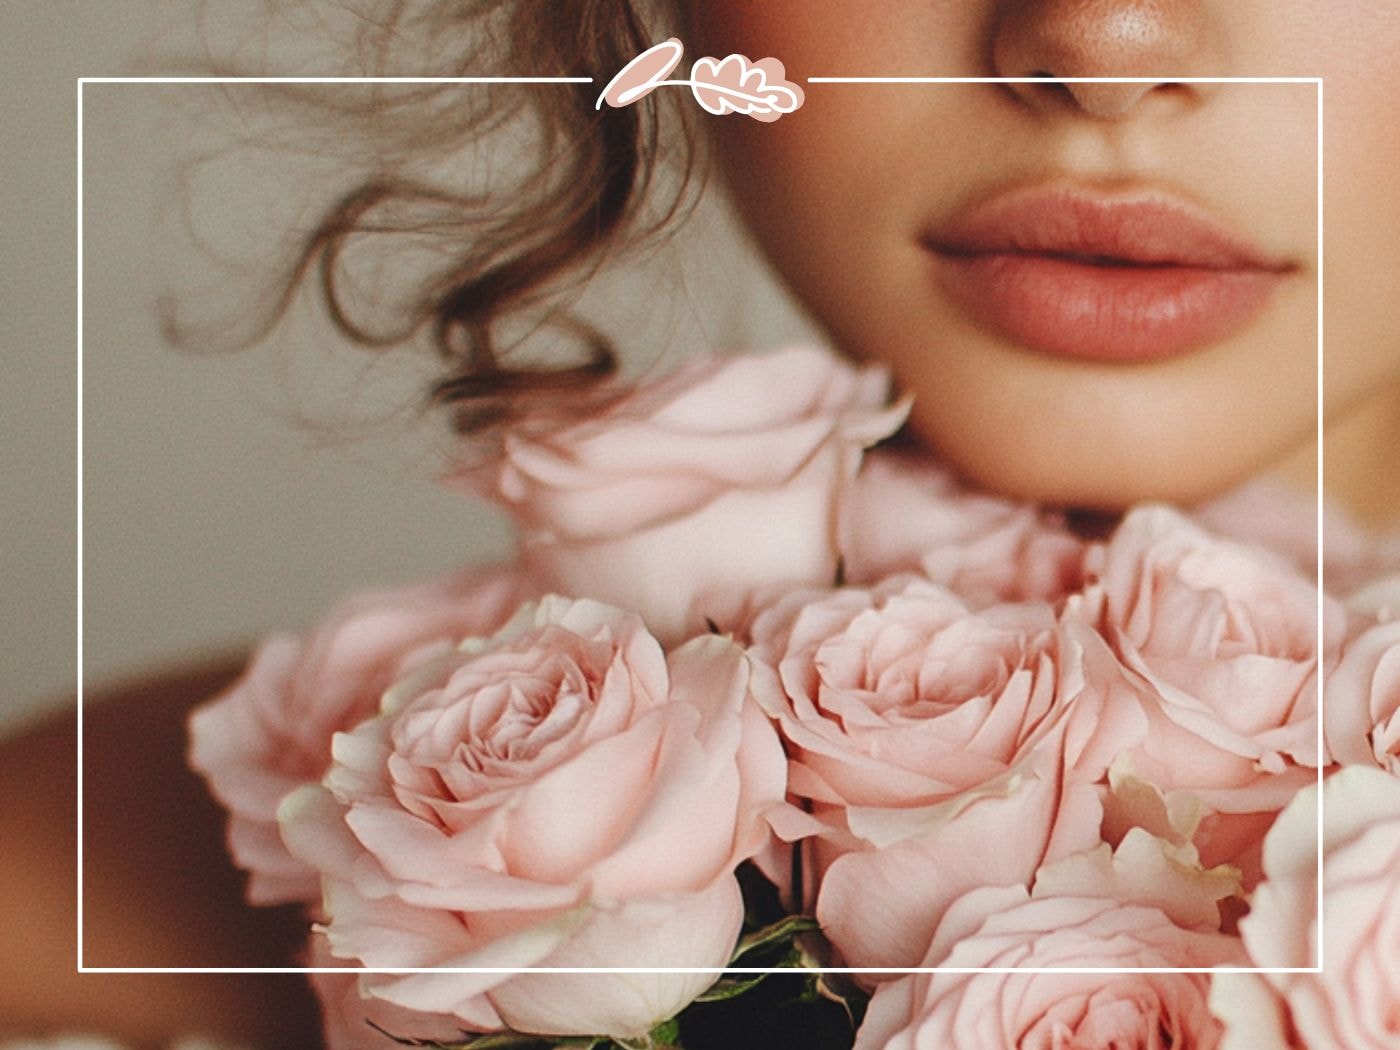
1362 462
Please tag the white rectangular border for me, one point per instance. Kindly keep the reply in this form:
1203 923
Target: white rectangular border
1320 940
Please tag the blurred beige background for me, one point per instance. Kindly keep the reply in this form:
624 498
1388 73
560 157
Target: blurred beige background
225 495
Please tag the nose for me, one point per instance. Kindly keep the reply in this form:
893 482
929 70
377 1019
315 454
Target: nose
1152 39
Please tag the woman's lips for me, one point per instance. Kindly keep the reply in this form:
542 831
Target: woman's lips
1107 277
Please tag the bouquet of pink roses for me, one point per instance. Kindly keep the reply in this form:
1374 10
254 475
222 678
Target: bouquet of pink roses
759 720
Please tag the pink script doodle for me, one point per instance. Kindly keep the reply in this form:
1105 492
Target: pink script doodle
729 85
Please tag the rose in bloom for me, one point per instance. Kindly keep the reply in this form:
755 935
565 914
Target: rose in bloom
927 741
1361 719
1206 622
271 731
561 794
908 514
1219 641
1028 1011
1355 1001
684 497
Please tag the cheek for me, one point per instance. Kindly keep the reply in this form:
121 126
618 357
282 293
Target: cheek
839 37
799 176
1354 45
1362 234
795 31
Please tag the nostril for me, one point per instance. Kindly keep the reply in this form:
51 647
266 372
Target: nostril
1056 85
1054 92
1058 40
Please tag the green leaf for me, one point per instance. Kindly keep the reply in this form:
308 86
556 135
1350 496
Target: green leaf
784 930
818 988
729 987
665 1036
667 1033
778 935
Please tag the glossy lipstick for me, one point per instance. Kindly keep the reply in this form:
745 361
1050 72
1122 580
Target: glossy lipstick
1137 276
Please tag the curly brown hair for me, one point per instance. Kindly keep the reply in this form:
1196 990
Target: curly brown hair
586 188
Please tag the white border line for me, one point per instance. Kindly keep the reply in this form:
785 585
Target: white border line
81 81
401 970
333 80
1321 571
80 526
1064 80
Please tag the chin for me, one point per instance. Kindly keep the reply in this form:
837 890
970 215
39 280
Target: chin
1108 477
1107 444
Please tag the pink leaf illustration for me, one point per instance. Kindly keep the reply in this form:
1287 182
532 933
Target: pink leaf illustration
643 75
735 85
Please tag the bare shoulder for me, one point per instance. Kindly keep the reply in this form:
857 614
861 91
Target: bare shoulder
158 890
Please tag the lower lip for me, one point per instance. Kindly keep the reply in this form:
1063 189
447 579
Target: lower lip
1075 309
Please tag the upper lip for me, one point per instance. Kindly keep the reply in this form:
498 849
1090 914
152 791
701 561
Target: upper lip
1133 227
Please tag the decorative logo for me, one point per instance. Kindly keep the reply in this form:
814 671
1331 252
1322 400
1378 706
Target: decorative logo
727 85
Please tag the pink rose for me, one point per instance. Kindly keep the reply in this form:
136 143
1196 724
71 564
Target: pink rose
561 794
1218 641
683 497
908 514
901 694
927 741
271 731
1206 622
1354 1003
1361 719
994 1011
